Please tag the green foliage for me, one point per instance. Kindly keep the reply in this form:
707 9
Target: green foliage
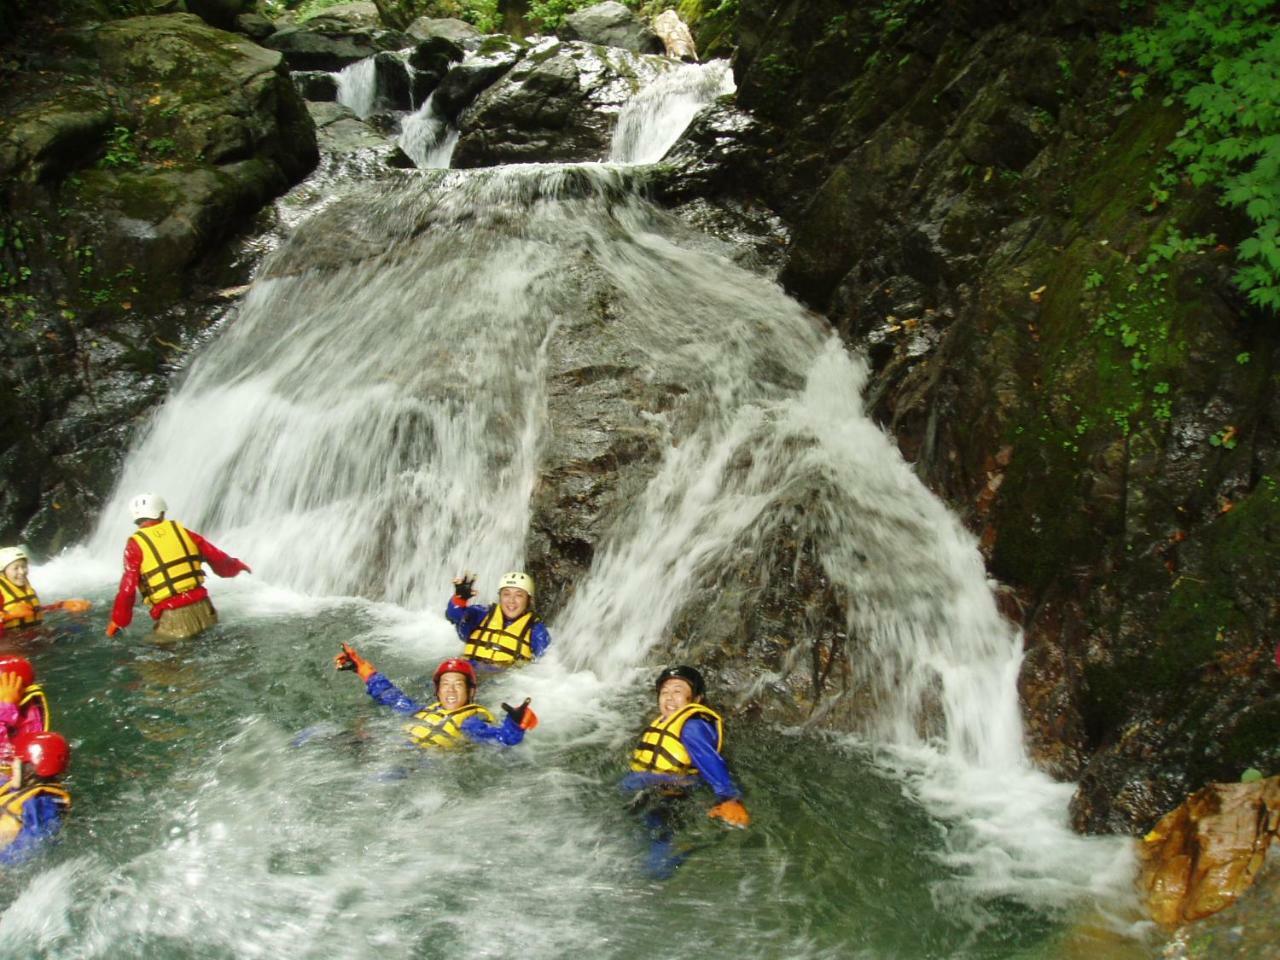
121 149
481 14
549 13
1220 59
892 15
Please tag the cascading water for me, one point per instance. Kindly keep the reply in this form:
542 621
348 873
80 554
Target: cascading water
654 118
427 138
358 86
374 420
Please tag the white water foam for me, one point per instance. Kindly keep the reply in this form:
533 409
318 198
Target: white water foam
358 86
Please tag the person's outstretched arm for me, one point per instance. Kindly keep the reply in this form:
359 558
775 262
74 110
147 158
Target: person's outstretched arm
223 564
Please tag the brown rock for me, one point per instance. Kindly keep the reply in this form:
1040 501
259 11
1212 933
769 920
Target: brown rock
675 36
1203 855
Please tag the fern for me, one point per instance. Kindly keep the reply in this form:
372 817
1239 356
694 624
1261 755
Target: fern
1220 59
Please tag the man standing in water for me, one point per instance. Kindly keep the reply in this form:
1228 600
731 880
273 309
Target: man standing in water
680 747
506 633
166 561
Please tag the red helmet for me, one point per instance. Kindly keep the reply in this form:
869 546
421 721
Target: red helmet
455 665
46 751
12 663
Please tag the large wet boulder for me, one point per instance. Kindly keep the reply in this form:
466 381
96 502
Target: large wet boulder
1203 855
128 156
610 24
331 45
448 28
557 104
465 81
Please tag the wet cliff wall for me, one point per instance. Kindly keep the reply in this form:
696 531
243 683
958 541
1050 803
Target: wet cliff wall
1059 350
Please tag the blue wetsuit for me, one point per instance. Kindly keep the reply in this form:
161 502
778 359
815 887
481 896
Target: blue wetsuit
41 821
466 620
477 729
658 809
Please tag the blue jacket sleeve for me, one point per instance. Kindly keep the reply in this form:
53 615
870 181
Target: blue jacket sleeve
539 639
465 619
699 738
41 820
387 694
507 733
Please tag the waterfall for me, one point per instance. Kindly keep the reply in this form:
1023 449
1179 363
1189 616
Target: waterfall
358 86
427 138
379 413
654 118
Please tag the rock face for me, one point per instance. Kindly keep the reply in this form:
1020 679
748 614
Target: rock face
610 24
332 45
425 28
557 104
128 155
1203 855
968 194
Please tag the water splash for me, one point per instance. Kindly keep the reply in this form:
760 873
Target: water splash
427 138
653 120
358 87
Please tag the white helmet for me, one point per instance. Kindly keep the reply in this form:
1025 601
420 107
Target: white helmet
147 506
9 555
521 581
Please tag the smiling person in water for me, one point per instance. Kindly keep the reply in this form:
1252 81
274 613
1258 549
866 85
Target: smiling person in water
680 748
453 719
506 633
19 605
166 562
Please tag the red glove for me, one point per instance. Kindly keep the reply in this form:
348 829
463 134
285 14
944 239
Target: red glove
731 812
348 658
113 628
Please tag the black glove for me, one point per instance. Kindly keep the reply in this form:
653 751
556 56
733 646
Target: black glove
463 587
522 716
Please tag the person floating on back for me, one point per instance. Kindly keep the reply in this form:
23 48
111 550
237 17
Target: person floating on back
453 719
20 607
677 750
32 804
23 705
506 633
166 562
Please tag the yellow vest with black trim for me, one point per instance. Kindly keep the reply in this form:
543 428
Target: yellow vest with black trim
434 726
496 642
171 564
35 694
12 801
10 592
660 749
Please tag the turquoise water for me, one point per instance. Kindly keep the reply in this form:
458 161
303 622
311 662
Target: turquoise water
203 828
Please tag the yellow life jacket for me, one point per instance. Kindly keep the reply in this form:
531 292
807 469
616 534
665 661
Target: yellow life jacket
11 803
434 726
660 750
35 694
10 592
495 642
171 564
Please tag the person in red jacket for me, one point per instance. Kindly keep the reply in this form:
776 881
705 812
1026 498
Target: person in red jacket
166 562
